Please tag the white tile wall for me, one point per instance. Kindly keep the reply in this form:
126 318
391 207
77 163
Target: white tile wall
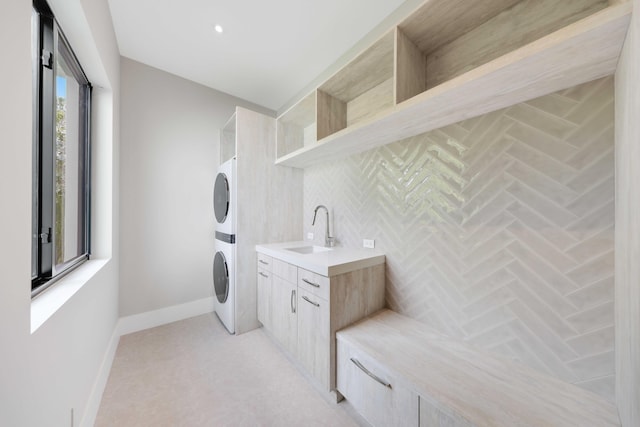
498 230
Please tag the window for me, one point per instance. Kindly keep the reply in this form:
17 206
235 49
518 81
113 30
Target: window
61 159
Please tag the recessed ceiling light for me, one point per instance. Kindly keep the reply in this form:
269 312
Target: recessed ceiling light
218 28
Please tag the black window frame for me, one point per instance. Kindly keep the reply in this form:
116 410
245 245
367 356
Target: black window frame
48 41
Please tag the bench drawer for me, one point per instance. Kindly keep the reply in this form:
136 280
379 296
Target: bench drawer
372 391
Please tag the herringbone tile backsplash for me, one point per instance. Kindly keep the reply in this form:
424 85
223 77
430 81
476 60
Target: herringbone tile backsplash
498 230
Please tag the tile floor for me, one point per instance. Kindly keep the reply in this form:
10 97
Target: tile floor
193 373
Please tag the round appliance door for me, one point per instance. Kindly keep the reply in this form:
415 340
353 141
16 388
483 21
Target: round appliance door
221 198
221 277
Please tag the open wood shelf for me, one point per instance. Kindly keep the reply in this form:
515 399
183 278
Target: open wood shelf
360 90
576 53
228 140
441 40
297 127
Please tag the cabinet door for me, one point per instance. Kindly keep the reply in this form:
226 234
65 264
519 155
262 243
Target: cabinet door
283 313
313 335
264 298
372 391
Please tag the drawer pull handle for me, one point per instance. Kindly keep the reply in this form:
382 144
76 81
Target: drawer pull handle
263 275
366 371
263 262
310 283
293 298
310 302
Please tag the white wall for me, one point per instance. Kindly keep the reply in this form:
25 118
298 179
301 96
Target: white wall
169 159
628 227
45 374
15 213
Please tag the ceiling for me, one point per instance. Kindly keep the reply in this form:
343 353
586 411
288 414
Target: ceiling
268 51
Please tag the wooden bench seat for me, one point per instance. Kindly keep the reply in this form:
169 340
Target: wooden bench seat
451 383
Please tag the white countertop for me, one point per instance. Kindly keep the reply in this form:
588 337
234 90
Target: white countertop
337 260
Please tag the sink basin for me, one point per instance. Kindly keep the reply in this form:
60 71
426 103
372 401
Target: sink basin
308 249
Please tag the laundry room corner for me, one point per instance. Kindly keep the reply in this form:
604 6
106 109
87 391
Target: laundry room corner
169 160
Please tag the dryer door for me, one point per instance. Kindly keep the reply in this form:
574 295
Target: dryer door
221 277
221 198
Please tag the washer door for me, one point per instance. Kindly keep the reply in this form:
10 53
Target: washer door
221 277
221 198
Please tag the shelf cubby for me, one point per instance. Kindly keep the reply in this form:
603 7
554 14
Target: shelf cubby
430 53
228 140
453 61
297 126
360 90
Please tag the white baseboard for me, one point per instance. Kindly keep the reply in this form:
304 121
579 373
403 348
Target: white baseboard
151 319
135 323
95 398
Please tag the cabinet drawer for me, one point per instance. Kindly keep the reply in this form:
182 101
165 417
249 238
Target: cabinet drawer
285 270
314 283
264 262
372 391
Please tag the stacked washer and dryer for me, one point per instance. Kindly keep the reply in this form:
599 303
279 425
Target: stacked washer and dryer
271 195
224 261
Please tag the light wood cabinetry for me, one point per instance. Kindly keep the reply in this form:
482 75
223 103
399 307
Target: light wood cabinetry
449 61
314 336
458 385
250 136
284 319
434 415
306 310
484 32
228 140
264 283
297 127
264 297
360 90
285 270
627 227
314 283
377 395
265 262
264 289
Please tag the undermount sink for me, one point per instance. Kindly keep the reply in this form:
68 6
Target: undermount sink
308 249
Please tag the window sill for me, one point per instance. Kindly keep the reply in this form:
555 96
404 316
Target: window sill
46 304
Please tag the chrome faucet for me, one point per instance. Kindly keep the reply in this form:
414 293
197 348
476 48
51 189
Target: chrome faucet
328 240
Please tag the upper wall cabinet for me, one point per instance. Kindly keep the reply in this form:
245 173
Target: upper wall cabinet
450 60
